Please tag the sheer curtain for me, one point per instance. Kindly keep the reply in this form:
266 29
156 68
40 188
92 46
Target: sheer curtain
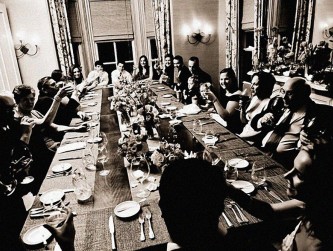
232 34
161 9
303 24
61 33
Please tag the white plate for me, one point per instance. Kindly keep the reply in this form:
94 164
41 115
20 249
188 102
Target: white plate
245 186
161 87
127 209
165 103
52 196
171 108
238 163
167 96
36 235
210 140
61 168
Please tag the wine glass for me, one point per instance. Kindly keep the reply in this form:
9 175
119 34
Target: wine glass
8 188
140 171
258 174
230 172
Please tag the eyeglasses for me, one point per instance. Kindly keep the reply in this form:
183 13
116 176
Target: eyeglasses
284 92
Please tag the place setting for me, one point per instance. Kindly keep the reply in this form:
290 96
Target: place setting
59 170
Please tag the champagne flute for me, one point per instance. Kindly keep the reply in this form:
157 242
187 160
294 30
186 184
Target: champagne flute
140 171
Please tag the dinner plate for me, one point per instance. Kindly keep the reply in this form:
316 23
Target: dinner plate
127 209
165 103
52 196
245 186
61 168
161 87
36 235
167 96
238 163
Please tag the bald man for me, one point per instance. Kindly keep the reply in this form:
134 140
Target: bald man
284 132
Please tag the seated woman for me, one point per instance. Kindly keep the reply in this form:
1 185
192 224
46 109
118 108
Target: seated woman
192 93
143 70
41 144
261 86
228 104
77 77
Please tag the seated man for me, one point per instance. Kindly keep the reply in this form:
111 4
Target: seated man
68 106
181 73
281 140
120 76
97 77
193 66
13 147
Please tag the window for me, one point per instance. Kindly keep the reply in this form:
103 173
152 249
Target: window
153 55
112 52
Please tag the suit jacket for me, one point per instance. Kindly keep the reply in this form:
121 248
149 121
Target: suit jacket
183 75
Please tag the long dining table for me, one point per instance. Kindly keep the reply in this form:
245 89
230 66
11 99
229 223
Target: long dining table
92 220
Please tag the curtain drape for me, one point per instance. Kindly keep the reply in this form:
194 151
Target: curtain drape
232 34
259 30
303 24
161 9
61 33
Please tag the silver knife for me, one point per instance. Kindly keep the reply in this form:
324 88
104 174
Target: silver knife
227 220
273 194
111 227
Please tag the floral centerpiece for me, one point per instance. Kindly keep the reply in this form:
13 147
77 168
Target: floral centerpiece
132 146
167 153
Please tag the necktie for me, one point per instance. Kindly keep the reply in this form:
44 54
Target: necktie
280 129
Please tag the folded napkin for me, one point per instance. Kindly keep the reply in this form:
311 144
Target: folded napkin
218 119
28 200
72 147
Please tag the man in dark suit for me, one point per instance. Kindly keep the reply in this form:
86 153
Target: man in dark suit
181 73
193 65
284 132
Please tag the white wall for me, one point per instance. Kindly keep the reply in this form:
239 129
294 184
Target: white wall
30 20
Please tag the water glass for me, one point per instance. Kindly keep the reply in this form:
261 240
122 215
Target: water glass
88 159
82 189
55 214
230 172
258 174
197 126
140 171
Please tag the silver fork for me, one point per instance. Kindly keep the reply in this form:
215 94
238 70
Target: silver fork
151 232
243 217
142 233
233 210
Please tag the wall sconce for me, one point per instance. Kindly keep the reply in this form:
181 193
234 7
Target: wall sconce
25 49
197 36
